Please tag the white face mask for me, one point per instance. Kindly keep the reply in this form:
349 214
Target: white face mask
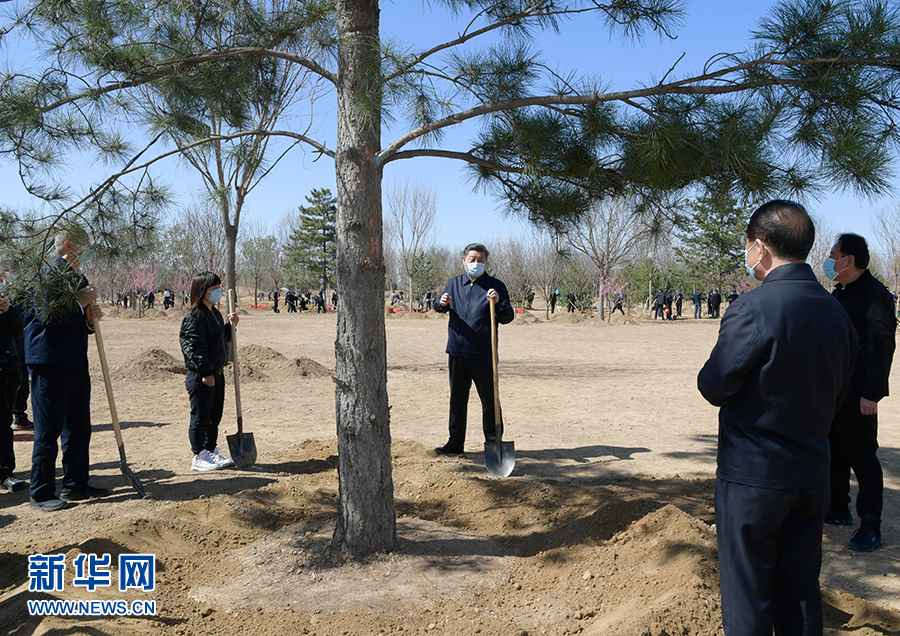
751 269
474 270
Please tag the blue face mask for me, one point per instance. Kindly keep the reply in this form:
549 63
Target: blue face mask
474 270
829 268
215 295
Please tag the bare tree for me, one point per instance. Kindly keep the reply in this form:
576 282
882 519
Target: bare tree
257 249
608 235
509 261
413 211
825 237
887 233
546 264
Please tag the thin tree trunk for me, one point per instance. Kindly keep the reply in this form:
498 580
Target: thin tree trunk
230 258
366 518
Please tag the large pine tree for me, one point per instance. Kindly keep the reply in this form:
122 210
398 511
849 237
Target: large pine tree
712 239
311 252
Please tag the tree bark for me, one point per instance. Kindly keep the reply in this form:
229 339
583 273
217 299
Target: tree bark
366 518
230 257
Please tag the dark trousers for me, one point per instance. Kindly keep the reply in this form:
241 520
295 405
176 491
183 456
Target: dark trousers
616 308
207 403
20 404
698 312
854 445
770 555
463 372
8 381
61 404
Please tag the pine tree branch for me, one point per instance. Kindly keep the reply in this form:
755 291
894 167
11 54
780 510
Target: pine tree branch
131 167
689 86
468 157
167 68
537 10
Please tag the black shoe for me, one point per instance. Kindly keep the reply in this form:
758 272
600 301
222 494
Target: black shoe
83 493
22 423
446 449
11 484
866 539
839 518
49 505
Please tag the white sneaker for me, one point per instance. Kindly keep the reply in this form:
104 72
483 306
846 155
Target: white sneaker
220 460
203 462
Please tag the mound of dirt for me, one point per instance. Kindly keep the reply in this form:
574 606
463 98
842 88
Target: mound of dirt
527 318
264 363
574 319
150 364
555 557
661 578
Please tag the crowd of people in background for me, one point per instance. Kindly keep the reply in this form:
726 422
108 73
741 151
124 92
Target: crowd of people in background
296 302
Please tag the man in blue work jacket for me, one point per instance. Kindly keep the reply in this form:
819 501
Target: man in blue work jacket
467 299
56 352
779 371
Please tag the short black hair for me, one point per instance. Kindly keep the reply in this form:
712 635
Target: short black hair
785 227
200 285
854 245
477 247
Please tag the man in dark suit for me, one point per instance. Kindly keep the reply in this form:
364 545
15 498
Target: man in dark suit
715 299
10 379
779 370
467 299
56 345
854 437
697 299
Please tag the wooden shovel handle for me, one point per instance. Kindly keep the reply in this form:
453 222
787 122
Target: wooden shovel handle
107 381
498 415
236 365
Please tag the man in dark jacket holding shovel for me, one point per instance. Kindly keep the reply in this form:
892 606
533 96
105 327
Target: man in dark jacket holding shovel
467 299
56 352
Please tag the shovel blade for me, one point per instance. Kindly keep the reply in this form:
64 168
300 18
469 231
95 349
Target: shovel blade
133 479
242 447
500 458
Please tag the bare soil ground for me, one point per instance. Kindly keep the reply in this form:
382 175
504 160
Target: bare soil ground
604 528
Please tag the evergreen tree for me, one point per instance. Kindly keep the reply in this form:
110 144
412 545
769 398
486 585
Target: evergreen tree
811 104
712 240
312 248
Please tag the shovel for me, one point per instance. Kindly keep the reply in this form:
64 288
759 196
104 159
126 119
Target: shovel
499 456
114 414
241 445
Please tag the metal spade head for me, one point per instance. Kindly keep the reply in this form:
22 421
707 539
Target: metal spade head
500 458
132 479
242 447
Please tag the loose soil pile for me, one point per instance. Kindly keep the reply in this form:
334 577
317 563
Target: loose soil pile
526 319
263 363
476 556
153 364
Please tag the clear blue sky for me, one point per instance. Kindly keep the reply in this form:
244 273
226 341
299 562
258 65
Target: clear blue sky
584 45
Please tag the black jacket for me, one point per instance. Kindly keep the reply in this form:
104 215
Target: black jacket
871 309
10 334
469 329
204 341
779 371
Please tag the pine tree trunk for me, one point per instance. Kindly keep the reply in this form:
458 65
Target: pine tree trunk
366 518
